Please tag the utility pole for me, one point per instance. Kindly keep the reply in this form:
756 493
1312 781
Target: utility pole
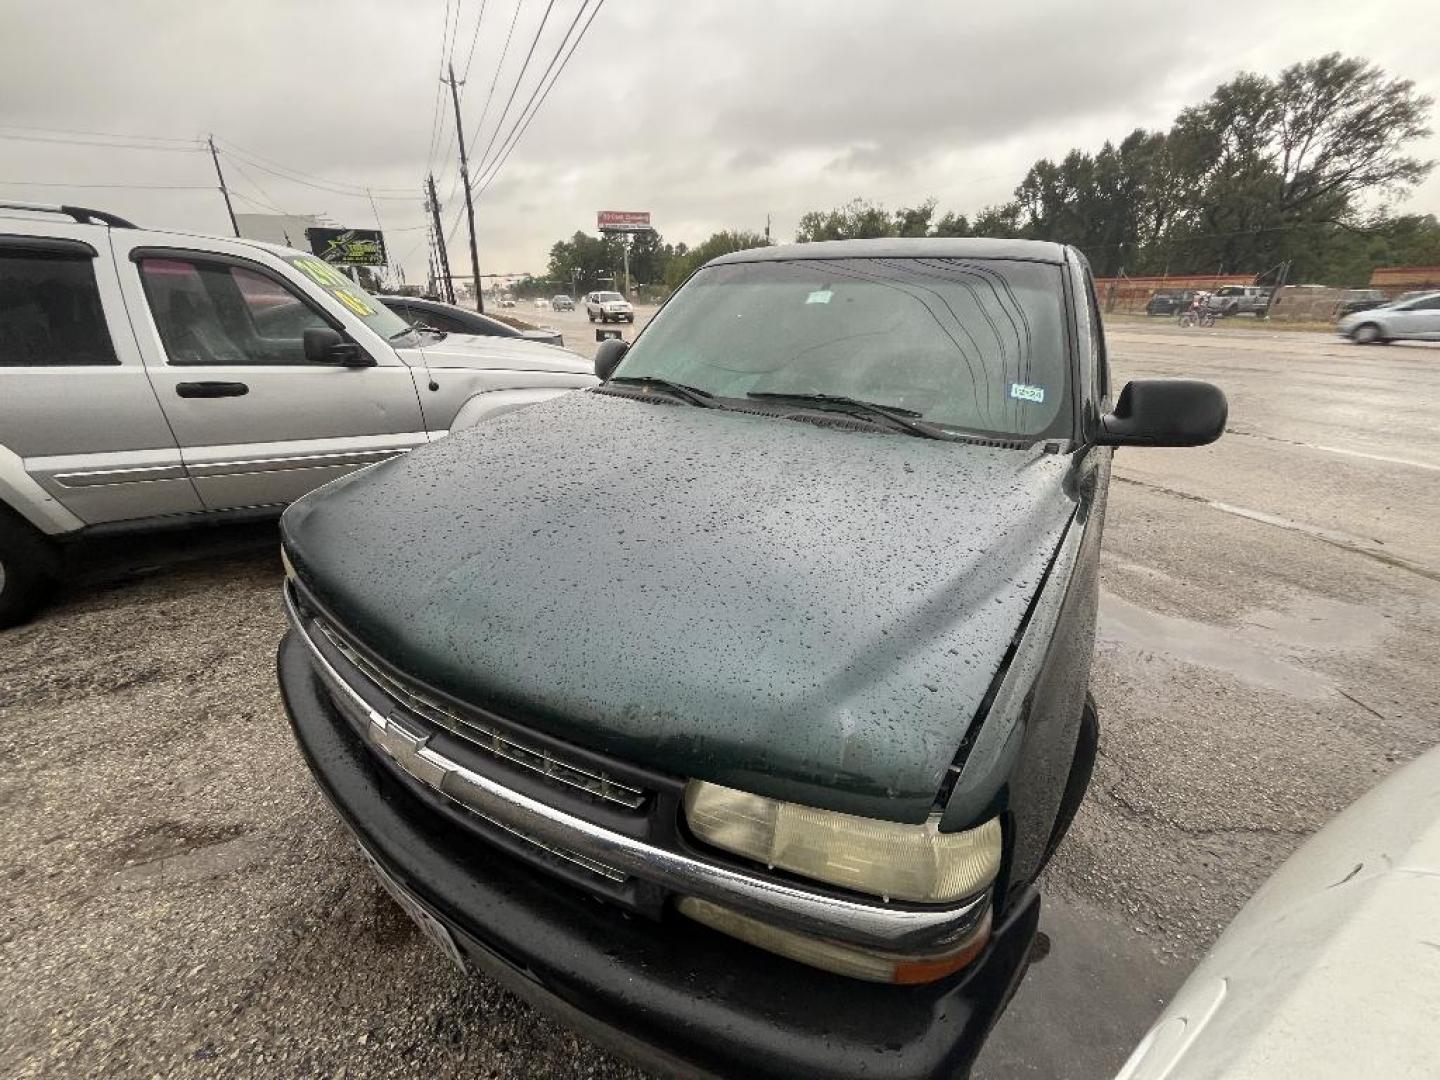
465 183
215 157
433 205
1275 292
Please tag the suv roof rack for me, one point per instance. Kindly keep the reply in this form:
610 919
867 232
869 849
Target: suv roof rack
83 215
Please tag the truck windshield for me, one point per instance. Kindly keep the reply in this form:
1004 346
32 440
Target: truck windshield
333 280
974 345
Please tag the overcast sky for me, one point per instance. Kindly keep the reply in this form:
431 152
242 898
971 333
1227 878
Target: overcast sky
710 115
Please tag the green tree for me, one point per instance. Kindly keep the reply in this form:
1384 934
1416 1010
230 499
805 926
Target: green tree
687 261
861 219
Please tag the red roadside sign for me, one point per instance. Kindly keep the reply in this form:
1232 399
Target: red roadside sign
623 220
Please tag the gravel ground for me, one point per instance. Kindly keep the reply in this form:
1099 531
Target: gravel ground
179 900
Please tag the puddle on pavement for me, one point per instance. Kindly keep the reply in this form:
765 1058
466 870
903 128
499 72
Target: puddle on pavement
1257 651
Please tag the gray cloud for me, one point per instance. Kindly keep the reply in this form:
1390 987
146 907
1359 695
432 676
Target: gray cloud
709 115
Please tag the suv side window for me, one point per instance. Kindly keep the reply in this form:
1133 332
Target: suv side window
1427 305
220 313
50 313
439 321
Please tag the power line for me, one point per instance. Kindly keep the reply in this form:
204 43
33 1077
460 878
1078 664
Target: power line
436 121
474 37
192 149
289 171
519 118
102 134
518 80
505 51
256 184
318 185
138 187
518 135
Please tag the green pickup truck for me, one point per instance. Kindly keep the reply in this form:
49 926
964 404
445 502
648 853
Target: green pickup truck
730 710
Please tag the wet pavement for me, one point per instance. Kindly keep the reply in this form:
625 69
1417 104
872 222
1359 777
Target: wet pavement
1270 615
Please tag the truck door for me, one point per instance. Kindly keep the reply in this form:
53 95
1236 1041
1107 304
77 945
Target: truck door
258 424
77 413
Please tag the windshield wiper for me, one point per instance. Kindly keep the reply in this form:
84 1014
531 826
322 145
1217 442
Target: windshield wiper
900 417
692 394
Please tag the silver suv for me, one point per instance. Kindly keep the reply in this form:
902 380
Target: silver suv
609 307
1240 300
154 379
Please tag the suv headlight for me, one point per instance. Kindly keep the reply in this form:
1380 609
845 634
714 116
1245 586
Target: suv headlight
895 861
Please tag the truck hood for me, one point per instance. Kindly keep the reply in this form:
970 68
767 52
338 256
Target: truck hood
511 354
806 612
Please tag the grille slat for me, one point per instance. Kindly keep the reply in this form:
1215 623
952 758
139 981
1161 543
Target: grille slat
487 739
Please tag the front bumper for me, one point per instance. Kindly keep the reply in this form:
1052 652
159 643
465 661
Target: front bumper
672 994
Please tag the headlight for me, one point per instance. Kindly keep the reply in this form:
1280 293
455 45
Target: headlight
285 562
884 858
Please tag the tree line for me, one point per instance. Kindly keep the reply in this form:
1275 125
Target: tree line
1301 167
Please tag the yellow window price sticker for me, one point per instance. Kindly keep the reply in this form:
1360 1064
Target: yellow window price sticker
322 273
353 302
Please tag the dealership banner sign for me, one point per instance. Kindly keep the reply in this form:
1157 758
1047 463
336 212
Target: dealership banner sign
623 220
348 247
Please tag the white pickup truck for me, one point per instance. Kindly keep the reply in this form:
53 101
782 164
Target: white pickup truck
155 379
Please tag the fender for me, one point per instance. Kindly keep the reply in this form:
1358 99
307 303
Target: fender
489 404
20 492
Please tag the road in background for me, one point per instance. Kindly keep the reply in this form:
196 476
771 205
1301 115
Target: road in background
179 899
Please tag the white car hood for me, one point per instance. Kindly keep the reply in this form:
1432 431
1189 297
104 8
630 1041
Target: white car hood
1333 967
509 354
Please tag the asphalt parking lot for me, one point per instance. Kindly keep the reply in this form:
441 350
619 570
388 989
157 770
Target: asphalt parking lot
179 900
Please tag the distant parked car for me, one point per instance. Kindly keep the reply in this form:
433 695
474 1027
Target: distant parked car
458 320
1417 319
1359 300
562 303
1241 300
1169 303
507 302
1330 969
609 307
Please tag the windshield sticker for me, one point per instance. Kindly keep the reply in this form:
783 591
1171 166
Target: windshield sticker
320 272
353 302
1021 392
819 296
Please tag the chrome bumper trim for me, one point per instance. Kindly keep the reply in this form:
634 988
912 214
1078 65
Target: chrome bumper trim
870 925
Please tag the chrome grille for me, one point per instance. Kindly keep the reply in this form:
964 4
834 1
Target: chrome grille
488 739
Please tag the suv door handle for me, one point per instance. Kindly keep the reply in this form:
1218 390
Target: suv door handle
211 389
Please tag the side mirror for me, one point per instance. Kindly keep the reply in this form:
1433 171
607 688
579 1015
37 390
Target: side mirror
608 357
327 346
1165 412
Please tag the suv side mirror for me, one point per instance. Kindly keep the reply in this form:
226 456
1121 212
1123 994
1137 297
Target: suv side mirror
327 346
1165 412
608 357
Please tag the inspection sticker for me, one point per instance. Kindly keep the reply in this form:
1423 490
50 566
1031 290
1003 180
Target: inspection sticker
819 296
1021 392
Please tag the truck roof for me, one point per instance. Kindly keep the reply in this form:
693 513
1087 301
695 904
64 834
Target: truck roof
903 247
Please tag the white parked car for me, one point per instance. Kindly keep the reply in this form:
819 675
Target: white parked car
155 379
608 307
1332 970
1412 317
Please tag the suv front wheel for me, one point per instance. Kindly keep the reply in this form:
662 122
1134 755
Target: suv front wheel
27 569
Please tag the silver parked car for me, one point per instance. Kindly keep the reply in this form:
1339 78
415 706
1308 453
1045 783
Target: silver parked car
153 379
1412 317
1333 967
